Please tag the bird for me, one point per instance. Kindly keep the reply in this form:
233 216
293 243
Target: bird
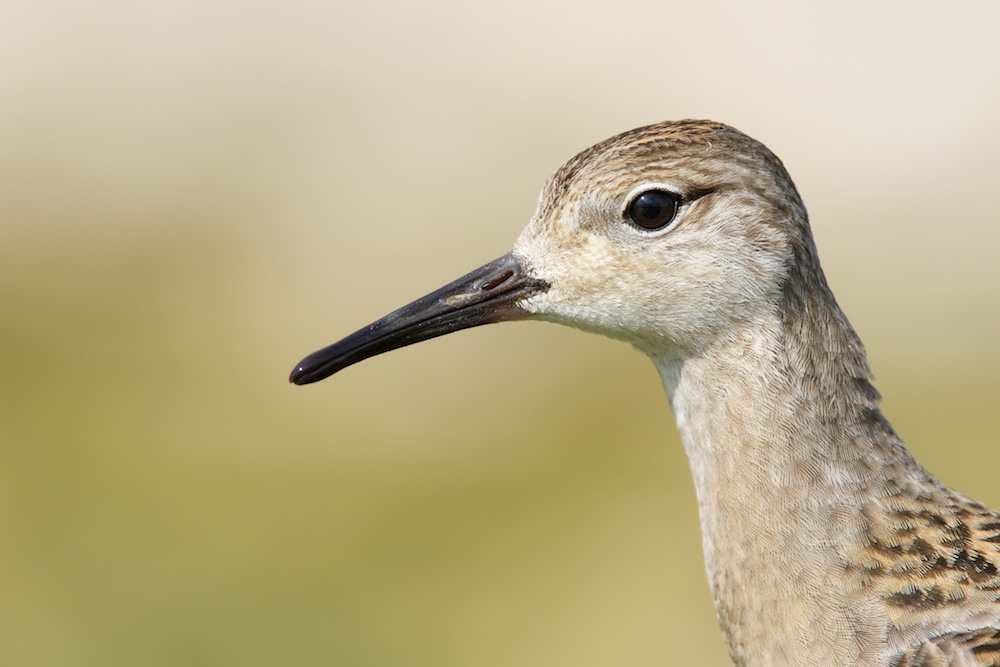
824 540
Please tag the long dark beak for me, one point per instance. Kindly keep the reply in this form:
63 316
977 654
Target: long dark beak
491 293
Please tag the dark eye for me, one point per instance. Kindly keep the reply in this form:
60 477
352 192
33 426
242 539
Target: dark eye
654 209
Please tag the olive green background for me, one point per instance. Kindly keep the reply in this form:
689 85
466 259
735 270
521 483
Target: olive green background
195 195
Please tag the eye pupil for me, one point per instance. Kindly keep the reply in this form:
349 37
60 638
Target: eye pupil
654 209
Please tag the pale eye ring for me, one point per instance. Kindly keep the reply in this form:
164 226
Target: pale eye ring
654 209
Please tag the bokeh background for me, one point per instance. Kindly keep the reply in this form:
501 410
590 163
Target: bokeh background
194 195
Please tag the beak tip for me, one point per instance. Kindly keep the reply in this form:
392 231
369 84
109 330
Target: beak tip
311 370
298 376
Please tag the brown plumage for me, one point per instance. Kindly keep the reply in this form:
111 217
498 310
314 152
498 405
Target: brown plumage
825 541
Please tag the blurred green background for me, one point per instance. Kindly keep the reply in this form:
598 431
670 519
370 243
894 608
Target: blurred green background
194 195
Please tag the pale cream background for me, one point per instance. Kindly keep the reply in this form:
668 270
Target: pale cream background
194 195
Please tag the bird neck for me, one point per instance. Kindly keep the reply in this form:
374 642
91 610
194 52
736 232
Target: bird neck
788 395
785 441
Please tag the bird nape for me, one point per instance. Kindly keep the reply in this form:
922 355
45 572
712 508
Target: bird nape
825 541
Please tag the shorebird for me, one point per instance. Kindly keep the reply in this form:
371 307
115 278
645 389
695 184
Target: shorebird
825 542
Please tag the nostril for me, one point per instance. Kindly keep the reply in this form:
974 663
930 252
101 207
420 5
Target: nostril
498 281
